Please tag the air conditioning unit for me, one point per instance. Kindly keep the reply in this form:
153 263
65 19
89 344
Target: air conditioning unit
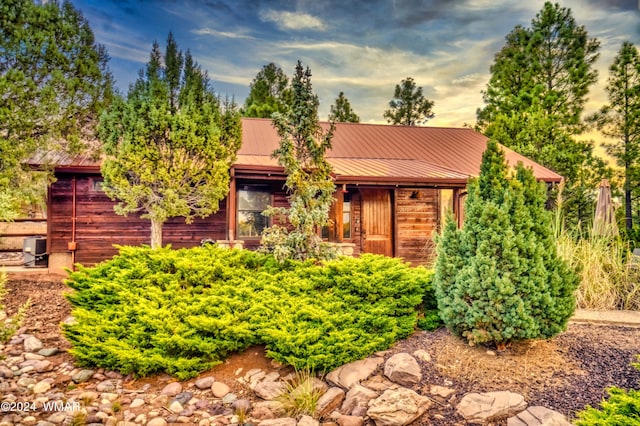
34 250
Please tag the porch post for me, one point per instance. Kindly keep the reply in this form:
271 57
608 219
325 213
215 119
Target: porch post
231 207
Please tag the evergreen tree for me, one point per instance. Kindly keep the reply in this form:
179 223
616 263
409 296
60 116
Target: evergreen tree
620 119
54 83
409 107
536 96
303 146
499 279
269 93
341 111
170 144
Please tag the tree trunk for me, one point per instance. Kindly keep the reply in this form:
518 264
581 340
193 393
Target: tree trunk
156 234
627 185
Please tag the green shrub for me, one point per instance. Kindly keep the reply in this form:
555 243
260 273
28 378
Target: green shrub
621 409
183 311
499 279
8 326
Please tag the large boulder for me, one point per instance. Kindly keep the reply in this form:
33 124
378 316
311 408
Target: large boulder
538 416
403 369
358 396
481 408
354 372
329 401
397 407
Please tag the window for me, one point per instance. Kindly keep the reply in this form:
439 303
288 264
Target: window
446 204
346 219
96 185
251 204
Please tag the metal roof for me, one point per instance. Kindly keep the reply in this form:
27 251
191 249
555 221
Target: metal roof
394 153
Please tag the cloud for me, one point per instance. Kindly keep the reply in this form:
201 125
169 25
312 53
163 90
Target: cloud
222 34
292 20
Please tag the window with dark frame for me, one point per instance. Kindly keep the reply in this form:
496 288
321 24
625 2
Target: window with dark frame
346 219
250 220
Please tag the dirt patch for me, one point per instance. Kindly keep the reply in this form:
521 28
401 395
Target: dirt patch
565 373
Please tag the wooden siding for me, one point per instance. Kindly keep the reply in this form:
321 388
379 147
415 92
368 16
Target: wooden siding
98 227
417 212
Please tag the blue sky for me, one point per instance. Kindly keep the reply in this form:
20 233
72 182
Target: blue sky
363 48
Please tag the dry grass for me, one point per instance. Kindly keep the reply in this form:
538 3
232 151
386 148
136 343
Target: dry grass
523 367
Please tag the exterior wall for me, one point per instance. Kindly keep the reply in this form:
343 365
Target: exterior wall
417 218
98 227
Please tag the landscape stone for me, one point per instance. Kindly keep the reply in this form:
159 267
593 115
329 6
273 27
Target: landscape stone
397 407
220 389
379 383
403 369
49 351
354 372
308 421
158 421
43 366
441 391
269 390
82 376
329 401
345 420
204 383
262 413
357 396
538 416
106 386
175 406
229 398
41 387
183 397
138 402
480 408
5 372
282 421
172 389
32 344
243 405
422 355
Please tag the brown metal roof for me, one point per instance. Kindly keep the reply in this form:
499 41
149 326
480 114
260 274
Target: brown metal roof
398 153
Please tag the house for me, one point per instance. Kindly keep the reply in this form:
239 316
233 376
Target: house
394 186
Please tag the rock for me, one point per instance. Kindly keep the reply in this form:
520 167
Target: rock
283 421
172 389
158 421
57 418
358 396
82 376
422 355
5 373
538 416
31 356
397 407
175 406
220 389
183 397
441 391
229 398
275 407
262 413
48 351
329 401
41 387
106 386
354 372
350 420
308 421
403 369
43 366
379 383
138 402
204 383
32 344
269 390
484 407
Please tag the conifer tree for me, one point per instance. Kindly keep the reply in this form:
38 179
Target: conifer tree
170 144
269 93
341 112
302 150
499 279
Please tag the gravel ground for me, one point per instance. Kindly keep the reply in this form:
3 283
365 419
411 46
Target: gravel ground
565 373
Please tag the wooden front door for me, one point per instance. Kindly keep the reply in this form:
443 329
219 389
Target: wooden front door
377 235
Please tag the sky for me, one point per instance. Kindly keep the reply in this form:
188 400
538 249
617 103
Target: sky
362 48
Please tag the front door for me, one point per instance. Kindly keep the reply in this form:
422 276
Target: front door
376 221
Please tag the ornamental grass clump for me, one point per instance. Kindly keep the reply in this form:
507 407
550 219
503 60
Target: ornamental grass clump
499 278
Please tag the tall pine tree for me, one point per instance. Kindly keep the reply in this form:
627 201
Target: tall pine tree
535 99
341 112
499 279
269 93
620 119
170 144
